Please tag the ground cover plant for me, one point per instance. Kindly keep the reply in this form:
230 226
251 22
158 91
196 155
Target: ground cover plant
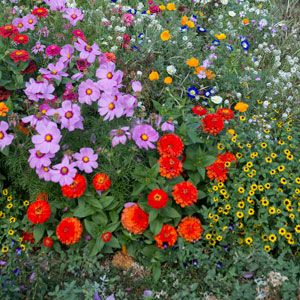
158 135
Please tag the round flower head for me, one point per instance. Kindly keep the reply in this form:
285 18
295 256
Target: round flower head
185 193
5 139
158 199
101 182
227 157
38 212
30 20
106 236
170 145
76 189
170 166
53 50
8 31
21 39
40 12
192 92
86 160
225 113
86 51
88 92
199 110
19 55
190 229
73 15
134 219
213 124
167 237
70 116
69 231
20 24
38 159
64 172
48 242
217 171
143 135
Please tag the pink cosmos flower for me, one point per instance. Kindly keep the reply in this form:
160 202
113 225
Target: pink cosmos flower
36 90
86 51
70 116
64 172
48 138
5 139
20 24
66 53
73 15
120 135
30 20
136 86
167 126
86 160
88 92
109 107
143 135
38 48
56 4
44 172
53 50
44 31
38 159
35 119
129 103
55 71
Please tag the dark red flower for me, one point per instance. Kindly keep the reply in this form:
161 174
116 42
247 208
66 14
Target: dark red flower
30 69
8 31
158 199
106 236
4 93
28 236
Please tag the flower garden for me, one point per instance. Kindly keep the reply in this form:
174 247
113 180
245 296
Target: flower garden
149 149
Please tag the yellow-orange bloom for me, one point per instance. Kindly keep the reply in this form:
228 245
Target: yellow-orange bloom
245 21
190 228
190 24
3 109
165 35
221 36
240 106
153 76
184 19
162 7
192 62
168 80
171 6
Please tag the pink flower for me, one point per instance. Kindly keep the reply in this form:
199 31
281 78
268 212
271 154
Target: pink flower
136 86
53 50
109 108
167 126
86 160
29 21
127 19
55 71
20 24
70 116
66 53
64 172
88 92
144 135
38 48
120 135
38 159
5 139
86 51
36 90
73 15
44 172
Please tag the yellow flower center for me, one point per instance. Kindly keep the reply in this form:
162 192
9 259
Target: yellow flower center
54 72
74 16
157 197
1 135
48 138
85 159
111 106
64 170
20 25
88 91
109 75
30 21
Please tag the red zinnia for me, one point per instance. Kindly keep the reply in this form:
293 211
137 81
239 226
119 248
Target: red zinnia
38 212
40 12
30 69
185 193
199 110
134 219
225 113
106 236
170 167
158 199
21 39
76 189
8 31
227 157
4 93
167 237
69 231
19 55
28 236
101 182
217 171
190 228
213 124
48 242
170 145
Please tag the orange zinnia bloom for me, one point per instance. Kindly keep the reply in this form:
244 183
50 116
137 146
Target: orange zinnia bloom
185 193
170 167
69 231
3 109
217 171
170 145
190 228
76 189
38 212
167 237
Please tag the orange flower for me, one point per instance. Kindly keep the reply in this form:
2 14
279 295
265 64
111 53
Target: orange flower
171 6
3 109
217 171
110 57
165 35
170 145
184 19
153 76
38 212
190 228
134 219
162 7
240 106
221 36
167 237
76 189
69 231
245 21
158 199
170 167
168 80
185 193
192 62
101 182
190 24
227 157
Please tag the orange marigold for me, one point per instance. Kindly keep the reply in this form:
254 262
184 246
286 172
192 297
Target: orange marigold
185 193
69 231
170 145
76 189
217 171
134 219
170 167
167 237
3 109
190 228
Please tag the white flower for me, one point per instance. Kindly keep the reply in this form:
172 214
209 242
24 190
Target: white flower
216 99
185 38
224 2
189 45
171 70
231 13
266 104
139 73
113 48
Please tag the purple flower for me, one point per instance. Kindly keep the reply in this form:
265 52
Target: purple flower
219 264
38 48
3 263
148 293
143 135
136 86
20 24
55 71
77 76
120 135
88 92
19 250
73 15
29 21
66 53
167 126
128 103
32 276
86 160
70 116
96 297
86 51
64 172
38 159
109 107
56 4
16 271
44 173
44 31
195 262
48 138
128 204
248 275
111 297
5 139
36 90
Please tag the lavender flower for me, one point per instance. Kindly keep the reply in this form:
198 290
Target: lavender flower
70 116
86 160
120 135
88 92
29 21
5 139
38 159
73 15
56 71
86 51
144 135
109 107
64 172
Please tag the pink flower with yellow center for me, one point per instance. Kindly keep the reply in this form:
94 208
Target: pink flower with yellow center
88 92
144 135
86 160
64 172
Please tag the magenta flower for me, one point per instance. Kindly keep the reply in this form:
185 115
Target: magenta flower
86 160
86 51
66 53
30 20
38 48
127 19
70 116
20 24
38 159
44 172
55 71
109 107
143 135
48 138
73 15
5 139
167 126
64 172
53 50
88 92
120 135
128 103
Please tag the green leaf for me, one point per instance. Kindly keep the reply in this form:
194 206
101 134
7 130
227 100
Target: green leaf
100 218
38 232
149 250
82 211
156 226
201 194
97 247
201 171
208 160
154 170
5 151
156 272
194 177
152 215
112 227
106 201
172 213
138 189
95 202
114 243
91 228
157 105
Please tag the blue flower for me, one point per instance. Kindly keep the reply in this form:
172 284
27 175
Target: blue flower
19 250
16 271
216 42
243 38
141 36
184 29
207 94
229 48
192 92
195 262
219 264
212 92
201 29
230 227
134 48
245 45
165 245
132 11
